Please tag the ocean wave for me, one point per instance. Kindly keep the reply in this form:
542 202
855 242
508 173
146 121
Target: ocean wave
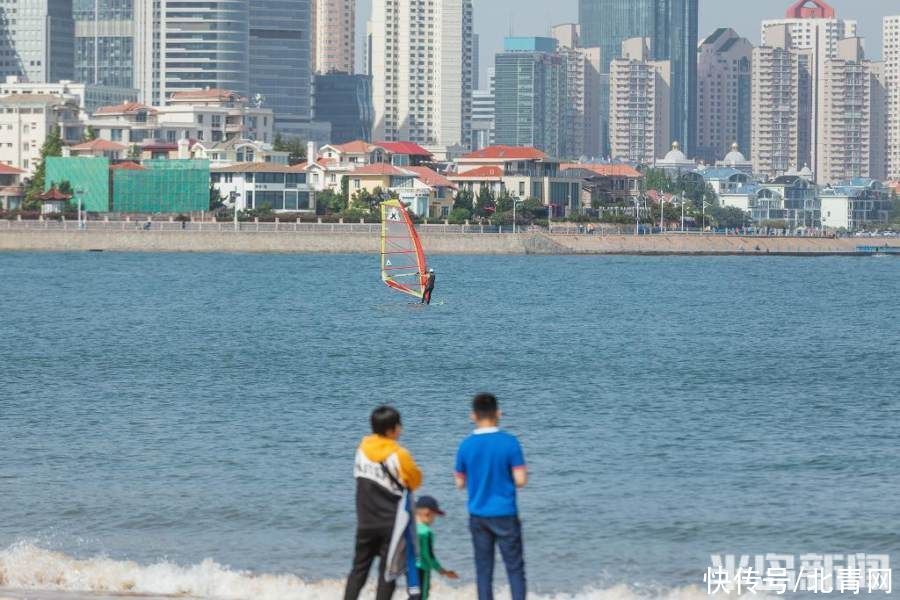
25 566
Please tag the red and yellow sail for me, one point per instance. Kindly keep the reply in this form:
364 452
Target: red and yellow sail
403 265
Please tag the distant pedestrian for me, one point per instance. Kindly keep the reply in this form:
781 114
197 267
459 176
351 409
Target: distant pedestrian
490 464
383 468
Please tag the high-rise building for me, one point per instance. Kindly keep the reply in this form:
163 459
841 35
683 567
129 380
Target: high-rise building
891 57
280 62
421 66
723 94
672 27
583 90
191 44
813 27
104 42
345 101
780 102
37 40
483 117
476 62
530 95
639 102
845 107
334 36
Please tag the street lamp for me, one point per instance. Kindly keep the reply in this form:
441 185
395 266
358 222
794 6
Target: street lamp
703 212
515 201
682 214
662 212
234 196
637 216
79 192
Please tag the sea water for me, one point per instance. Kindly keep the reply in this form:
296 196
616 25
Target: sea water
186 424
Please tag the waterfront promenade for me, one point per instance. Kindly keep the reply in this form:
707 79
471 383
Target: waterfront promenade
363 239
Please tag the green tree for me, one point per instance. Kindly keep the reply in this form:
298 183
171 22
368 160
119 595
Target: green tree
345 189
332 203
134 151
294 146
657 179
532 209
90 133
504 202
52 147
458 216
726 216
485 205
465 200
216 201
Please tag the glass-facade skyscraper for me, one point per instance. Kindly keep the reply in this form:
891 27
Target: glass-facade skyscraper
36 40
345 101
280 61
672 27
530 95
104 42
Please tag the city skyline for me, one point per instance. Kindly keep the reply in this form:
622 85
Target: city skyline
535 17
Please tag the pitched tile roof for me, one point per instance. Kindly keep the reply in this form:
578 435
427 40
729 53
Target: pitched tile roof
10 170
430 177
127 166
410 148
381 169
480 173
124 109
101 145
507 152
606 170
258 167
54 195
357 147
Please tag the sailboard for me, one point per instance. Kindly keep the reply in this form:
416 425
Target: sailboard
403 265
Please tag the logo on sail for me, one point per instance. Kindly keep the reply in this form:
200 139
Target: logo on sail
394 215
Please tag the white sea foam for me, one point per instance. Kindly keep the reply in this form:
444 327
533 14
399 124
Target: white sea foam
55 575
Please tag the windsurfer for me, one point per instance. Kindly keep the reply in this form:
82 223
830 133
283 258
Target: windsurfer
429 287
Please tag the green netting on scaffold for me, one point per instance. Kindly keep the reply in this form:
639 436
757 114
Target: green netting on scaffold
164 186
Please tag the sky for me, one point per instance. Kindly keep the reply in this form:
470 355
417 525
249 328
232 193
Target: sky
533 17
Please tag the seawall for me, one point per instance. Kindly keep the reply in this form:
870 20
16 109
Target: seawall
435 243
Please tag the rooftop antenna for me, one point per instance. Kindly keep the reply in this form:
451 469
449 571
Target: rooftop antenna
510 24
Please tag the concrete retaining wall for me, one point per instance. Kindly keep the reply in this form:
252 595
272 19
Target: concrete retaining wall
367 243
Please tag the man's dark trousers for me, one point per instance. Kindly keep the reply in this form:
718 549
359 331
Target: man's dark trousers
370 543
505 532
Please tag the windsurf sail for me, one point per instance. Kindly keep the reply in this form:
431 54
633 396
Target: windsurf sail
403 265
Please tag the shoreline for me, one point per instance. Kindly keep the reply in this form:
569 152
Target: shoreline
541 244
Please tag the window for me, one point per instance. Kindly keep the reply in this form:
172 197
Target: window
115 135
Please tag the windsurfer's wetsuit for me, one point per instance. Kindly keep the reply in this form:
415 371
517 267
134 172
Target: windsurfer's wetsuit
429 288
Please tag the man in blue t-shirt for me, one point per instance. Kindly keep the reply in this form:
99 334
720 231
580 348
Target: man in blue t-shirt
490 465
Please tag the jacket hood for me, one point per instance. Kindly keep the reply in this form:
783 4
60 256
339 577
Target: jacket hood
378 448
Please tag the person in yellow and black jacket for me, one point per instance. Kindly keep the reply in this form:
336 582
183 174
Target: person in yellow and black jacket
382 469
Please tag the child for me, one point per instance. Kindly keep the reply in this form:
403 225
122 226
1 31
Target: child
427 510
